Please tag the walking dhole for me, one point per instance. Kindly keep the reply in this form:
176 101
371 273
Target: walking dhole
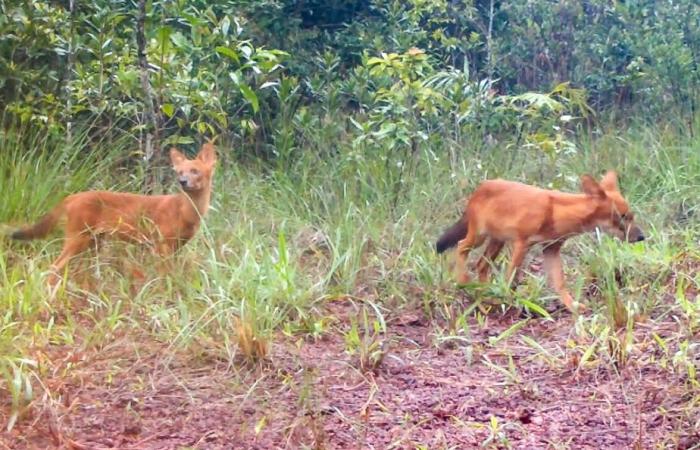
505 211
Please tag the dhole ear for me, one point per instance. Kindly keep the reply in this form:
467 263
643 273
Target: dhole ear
591 187
176 157
207 154
609 181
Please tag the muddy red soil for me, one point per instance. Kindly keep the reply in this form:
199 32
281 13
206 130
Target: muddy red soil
310 394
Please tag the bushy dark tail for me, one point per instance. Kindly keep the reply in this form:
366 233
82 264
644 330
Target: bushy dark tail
41 228
452 235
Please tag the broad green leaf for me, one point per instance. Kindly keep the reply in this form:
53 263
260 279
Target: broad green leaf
229 53
180 41
246 50
181 140
532 306
225 25
168 109
163 37
249 95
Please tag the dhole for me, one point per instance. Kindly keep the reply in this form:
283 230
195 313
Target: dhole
523 215
165 222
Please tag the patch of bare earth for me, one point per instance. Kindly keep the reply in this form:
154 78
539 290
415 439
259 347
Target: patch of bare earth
310 395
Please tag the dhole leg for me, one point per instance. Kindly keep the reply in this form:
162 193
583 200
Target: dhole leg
71 247
555 273
165 250
483 266
463 248
520 248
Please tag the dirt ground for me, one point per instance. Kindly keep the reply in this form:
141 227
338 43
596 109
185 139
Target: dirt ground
310 394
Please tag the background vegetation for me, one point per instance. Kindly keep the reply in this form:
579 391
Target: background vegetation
348 133
255 70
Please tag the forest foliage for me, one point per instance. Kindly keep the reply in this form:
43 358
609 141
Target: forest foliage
383 74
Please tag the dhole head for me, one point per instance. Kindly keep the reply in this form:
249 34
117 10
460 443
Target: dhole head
194 174
613 211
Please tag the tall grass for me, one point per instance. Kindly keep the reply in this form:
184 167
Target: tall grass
279 242
39 168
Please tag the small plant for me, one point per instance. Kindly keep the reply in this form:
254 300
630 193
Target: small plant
609 281
367 341
16 376
691 309
554 358
620 345
311 419
510 373
253 345
685 361
498 436
310 326
457 332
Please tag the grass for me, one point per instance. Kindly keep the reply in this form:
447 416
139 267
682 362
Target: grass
279 246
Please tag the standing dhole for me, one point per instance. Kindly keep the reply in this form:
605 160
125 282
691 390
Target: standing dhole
165 222
523 215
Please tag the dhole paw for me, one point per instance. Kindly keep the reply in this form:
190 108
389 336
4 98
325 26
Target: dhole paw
53 280
463 279
53 283
572 305
578 307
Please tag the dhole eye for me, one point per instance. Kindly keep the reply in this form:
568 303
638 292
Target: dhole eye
194 171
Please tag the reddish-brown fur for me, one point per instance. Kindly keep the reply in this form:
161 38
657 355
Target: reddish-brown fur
505 211
164 222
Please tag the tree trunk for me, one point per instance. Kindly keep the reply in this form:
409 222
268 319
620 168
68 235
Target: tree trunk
69 73
489 45
152 151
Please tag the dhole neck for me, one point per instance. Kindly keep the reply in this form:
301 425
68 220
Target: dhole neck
575 212
199 199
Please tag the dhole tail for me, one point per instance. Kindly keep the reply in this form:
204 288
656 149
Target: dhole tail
452 235
41 228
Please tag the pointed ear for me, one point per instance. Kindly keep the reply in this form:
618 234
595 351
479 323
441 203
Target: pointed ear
609 181
207 154
176 157
591 187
